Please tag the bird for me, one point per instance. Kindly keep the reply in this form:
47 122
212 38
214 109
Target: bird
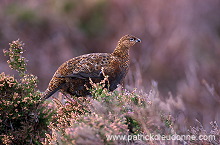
73 76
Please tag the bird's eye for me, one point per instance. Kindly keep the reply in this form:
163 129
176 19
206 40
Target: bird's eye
131 39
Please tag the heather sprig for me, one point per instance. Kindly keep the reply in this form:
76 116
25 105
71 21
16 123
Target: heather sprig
21 122
16 60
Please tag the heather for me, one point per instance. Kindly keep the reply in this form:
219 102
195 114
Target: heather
21 122
25 119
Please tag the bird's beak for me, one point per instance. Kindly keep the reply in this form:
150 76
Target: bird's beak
138 40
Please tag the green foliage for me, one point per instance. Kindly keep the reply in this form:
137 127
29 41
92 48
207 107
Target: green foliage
133 125
68 6
167 121
16 60
94 21
21 122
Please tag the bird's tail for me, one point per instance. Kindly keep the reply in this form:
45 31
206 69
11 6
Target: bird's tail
49 92
46 95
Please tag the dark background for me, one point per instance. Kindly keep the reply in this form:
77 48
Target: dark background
180 46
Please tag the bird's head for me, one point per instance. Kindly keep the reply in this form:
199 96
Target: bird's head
128 41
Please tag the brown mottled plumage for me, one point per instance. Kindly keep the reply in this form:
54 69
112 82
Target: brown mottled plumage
72 76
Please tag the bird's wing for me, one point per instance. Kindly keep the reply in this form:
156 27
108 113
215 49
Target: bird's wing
83 75
85 66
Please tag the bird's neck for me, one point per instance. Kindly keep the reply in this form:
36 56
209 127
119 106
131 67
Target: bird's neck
121 51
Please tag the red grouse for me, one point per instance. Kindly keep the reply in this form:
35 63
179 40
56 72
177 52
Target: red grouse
72 76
